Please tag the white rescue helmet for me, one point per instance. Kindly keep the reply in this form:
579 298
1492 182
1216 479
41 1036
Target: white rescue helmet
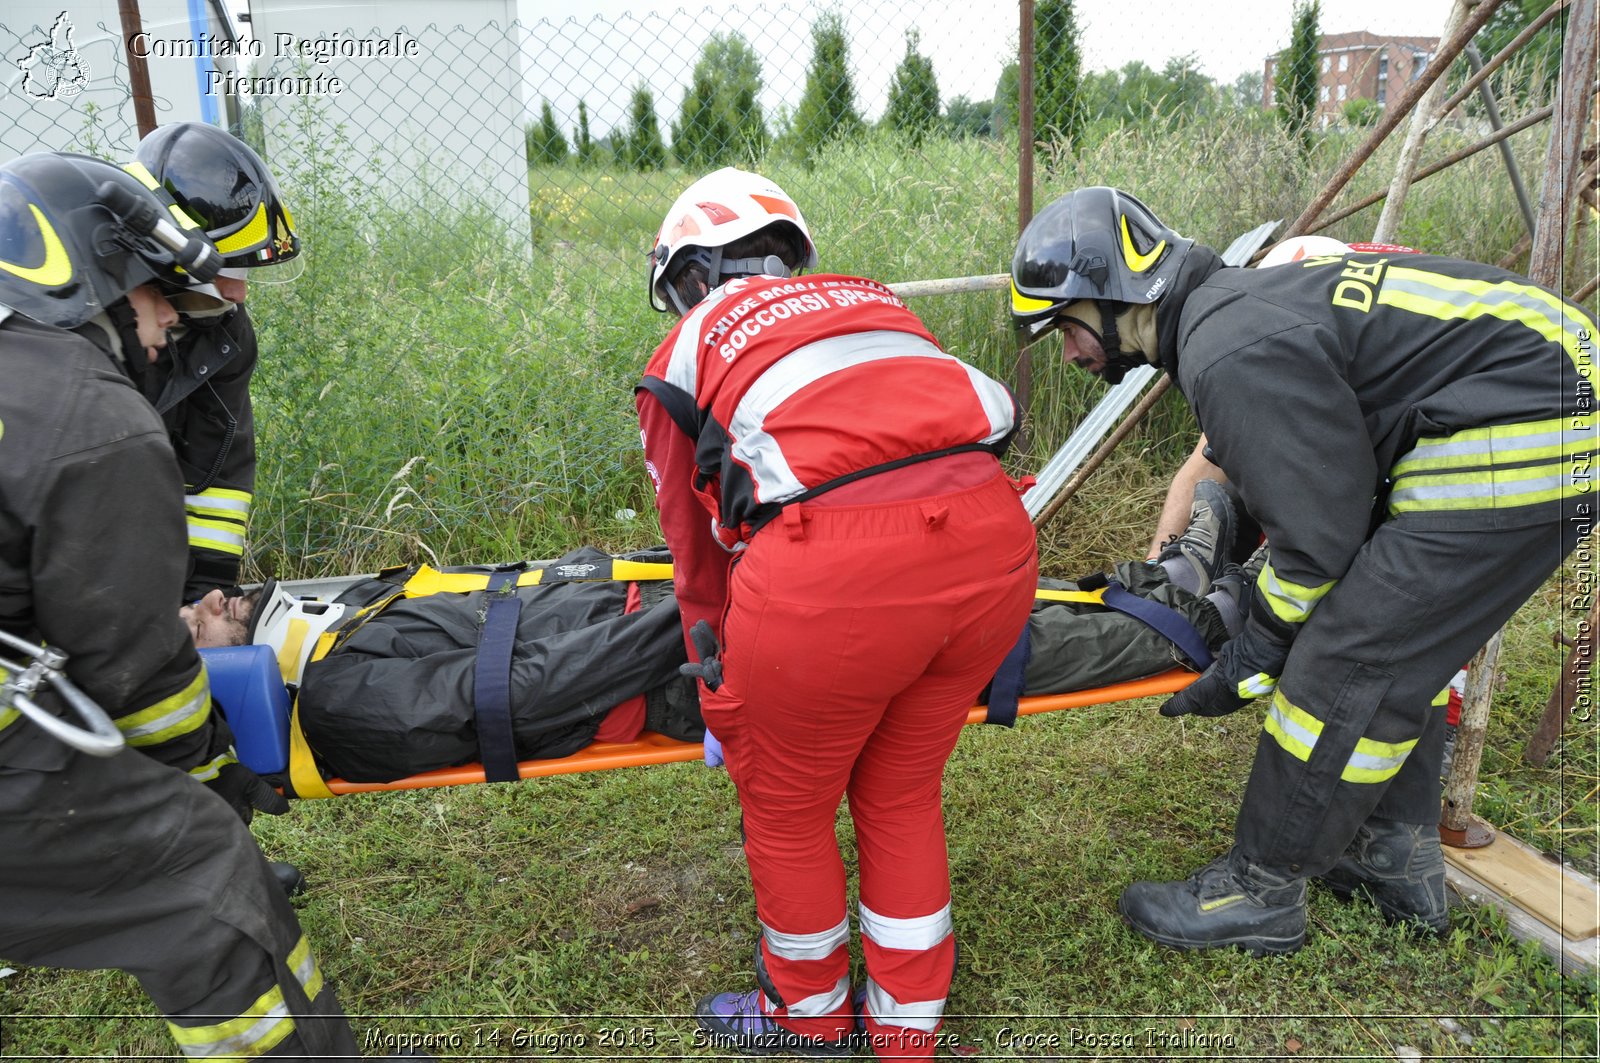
1298 247
291 626
712 213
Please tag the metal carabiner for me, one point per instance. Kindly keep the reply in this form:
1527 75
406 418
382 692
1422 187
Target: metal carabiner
100 739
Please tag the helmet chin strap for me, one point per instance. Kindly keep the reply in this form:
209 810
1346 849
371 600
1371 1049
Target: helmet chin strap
1118 361
719 270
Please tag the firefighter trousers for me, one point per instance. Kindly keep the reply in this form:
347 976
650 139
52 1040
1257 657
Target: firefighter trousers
855 640
126 863
1352 731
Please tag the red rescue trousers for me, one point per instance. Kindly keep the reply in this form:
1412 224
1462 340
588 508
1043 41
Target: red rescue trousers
855 640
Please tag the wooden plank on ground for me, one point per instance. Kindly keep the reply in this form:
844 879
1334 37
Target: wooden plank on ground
1541 899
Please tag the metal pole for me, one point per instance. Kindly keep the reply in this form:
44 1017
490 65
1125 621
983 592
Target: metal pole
1024 195
1502 55
144 107
1492 109
1392 116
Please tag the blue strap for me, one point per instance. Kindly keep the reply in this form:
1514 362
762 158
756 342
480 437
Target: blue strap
1006 688
1167 622
491 681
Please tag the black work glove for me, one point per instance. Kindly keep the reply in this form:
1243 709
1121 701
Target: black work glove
246 792
1246 668
709 670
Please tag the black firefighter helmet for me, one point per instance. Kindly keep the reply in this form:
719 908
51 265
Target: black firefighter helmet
1097 243
77 234
227 188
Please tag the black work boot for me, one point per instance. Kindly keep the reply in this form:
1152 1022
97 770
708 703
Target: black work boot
1401 867
1229 902
1205 543
289 877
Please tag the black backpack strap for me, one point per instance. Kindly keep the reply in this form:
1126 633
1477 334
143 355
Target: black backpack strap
678 403
491 681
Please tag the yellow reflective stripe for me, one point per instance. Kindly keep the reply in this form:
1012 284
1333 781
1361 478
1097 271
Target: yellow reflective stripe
1257 685
304 966
1290 601
223 536
1501 444
212 768
1442 698
170 717
1292 727
8 717
56 269
253 233
222 517
1488 488
1137 262
1027 304
1221 902
254 1033
1455 298
1095 597
218 501
1376 761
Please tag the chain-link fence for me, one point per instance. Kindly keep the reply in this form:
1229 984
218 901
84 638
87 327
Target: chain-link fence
450 376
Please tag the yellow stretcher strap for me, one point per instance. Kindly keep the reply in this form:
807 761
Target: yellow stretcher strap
1094 597
304 775
428 580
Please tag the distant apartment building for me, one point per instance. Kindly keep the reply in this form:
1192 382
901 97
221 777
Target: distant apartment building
1359 65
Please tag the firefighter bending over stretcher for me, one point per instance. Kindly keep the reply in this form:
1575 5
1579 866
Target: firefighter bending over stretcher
596 659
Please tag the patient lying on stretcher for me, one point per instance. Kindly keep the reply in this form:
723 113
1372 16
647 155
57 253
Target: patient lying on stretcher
385 669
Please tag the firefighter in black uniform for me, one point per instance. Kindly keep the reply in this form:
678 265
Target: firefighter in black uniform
200 385
1414 434
200 382
135 861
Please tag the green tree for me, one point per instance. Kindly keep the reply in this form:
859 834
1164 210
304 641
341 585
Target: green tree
583 145
913 94
1532 72
827 110
1295 88
641 147
964 118
545 144
701 137
720 120
1058 113
1246 91
1362 111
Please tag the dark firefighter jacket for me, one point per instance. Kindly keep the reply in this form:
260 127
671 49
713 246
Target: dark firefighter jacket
200 385
395 695
1439 389
91 541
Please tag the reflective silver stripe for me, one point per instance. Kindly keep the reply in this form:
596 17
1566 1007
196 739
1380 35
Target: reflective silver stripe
816 946
1387 766
1452 447
1291 728
829 1002
1499 491
1257 685
1491 294
683 365
915 1015
211 769
197 705
917 934
212 503
754 446
996 402
202 533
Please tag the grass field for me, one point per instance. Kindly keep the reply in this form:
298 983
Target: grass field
431 390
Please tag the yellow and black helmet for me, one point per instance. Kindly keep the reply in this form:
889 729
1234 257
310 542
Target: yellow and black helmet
1097 243
226 187
77 234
